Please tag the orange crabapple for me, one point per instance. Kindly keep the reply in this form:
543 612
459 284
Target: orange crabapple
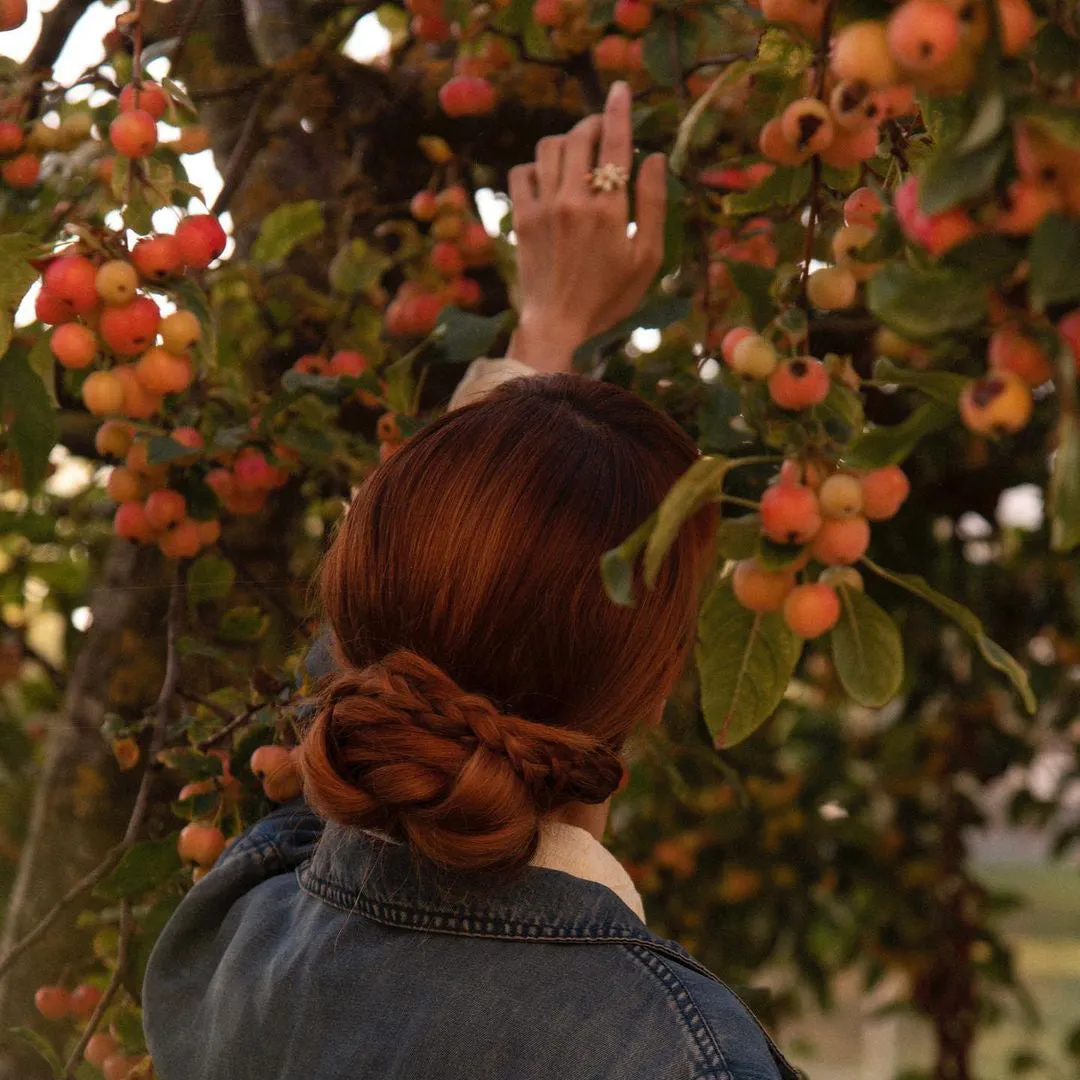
113 438
424 206
611 53
863 207
209 531
860 51
139 403
73 345
12 137
1023 207
807 125
103 393
884 491
158 258
181 541
164 508
759 589
775 145
119 1066
923 34
149 97
70 279
1016 23
548 12
1012 350
129 329
134 134
22 171
200 844
997 404
192 139
123 485
854 105
832 288
807 15
812 610
99 1048
161 372
790 513
276 769
633 16
53 1002
841 540
849 148
846 245
201 239
117 282
84 1000
799 383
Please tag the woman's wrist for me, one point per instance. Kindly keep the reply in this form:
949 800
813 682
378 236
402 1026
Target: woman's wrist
546 343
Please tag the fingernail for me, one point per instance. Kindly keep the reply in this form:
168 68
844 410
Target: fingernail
620 87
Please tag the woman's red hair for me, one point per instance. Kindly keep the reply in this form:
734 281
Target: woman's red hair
485 677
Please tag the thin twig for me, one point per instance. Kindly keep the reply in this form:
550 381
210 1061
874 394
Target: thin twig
190 19
243 153
234 724
199 699
218 92
897 144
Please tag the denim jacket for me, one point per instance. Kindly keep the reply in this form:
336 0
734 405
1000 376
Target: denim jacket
312 953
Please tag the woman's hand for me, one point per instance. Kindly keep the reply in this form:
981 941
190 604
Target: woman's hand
578 271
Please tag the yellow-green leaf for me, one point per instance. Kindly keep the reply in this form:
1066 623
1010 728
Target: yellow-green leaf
867 650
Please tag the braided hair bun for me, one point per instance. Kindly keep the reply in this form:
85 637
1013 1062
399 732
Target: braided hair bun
399 746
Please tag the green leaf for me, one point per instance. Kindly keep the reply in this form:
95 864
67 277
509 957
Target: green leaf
787 186
462 337
617 565
940 386
674 225
952 178
1065 486
987 124
656 313
969 622
921 304
243 625
699 485
882 446
38 1043
144 867
867 650
745 661
774 556
285 228
737 538
162 449
32 428
989 256
720 404
755 283
357 267
43 361
668 48
210 577
1054 256
1060 122
16 276
683 138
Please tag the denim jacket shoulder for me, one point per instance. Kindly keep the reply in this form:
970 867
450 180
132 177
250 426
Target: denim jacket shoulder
698 1029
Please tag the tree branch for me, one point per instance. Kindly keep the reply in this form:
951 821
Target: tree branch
191 17
234 724
56 28
243 152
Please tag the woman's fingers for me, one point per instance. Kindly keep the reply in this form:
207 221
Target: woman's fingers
616 144
651 204
523 192
549 163
579 154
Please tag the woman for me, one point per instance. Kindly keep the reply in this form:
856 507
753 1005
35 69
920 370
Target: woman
457 918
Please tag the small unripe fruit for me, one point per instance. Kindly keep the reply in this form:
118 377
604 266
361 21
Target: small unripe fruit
923 34
158 258
424 206
998 404
113 438
74 346
790 514
149 97
180 332
71 280
861 51
22 171
812 610
807 125
53 1002
846 577
129 522
100 1048
841 496
632 16
84 1000
124 486
1011 350
181 542
883 492
103 393
799 383
116 282
846 245
130 329
200 844
754 357
201 239
165 508
841 541
832 288
275 767
467 95
863 207
759 589
134 134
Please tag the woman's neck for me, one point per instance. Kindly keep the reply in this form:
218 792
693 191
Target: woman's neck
592 818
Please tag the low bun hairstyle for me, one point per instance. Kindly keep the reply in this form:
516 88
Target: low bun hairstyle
484 677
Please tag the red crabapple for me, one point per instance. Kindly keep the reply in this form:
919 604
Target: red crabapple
200 844
548 12
129 522
849 148
103 393
430 28
158 258
117 282
841 496
923 34
883 492
100 1047
805 14
611 53
790 514
1016 22
759 589
347 362
475 245
119 1067
129 329
841 541
423 206
812 610
180 542
164 508
467 95
452 200
447 259
1068 329
996 404
21 171
799 383
51 309
252 471
53 1002
201 239
12 137
863 207
134 134
71 280
84 1000
632 16
73 345
1012 350
149 97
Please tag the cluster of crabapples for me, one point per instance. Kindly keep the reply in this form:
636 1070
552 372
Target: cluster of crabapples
103 1051
826 512
459 242
794 383
877 66
201 843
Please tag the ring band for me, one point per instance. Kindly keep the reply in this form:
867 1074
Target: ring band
608 178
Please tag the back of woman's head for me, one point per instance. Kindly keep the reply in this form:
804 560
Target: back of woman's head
485 679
